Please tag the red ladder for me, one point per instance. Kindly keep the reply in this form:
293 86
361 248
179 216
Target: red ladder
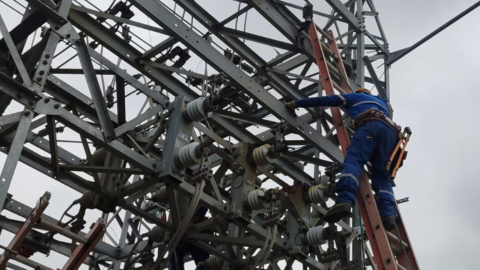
389 252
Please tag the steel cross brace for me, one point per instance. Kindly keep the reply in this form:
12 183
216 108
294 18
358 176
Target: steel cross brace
25 229
130 55
197 44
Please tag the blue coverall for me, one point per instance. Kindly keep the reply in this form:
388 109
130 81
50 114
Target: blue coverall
184 248
373 141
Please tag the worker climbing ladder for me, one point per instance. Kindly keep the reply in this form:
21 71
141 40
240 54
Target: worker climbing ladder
392 250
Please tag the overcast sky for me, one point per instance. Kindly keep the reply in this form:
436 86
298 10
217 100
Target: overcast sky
434 91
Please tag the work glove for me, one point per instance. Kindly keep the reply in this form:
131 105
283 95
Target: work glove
291 106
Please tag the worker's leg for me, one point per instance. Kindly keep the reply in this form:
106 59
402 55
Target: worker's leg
198 255
358 154
381 177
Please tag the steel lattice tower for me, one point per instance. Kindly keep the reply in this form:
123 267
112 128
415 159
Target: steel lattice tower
149 108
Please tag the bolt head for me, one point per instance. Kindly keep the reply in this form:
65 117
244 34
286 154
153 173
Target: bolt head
56 106
47 56
47 100
27 113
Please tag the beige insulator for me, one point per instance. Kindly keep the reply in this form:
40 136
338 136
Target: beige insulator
316 194
299 165
156 234
161 195
213 263
196 110
261 155
187 155
256 199
99 156
88 200
315 236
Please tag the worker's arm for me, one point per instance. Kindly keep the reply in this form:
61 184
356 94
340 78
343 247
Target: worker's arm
326 101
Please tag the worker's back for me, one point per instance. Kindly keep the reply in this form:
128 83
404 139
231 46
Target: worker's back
357 103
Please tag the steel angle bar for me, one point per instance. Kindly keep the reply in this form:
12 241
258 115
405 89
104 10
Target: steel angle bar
79 71
307 159
213 135
375 41
38 163
50 13
130 125
10 118
14 53
168 21
258 39
161 99
121 105
280 58
245 118
155 50
343 11
85 168
95 135
14 153
118 19
18 92
294 75
235 15
173 69
95 90
52 134
376 81
30 22
68 95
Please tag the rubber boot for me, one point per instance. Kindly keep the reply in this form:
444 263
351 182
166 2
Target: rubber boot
337 212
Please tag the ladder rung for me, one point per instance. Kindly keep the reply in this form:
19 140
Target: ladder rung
395 238
340 89
332 68
323 33
400 267
327 50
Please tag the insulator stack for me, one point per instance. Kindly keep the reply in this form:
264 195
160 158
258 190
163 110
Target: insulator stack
88 200
196 110
315 236
256 199
261 155
156 234
161 195
99 156
299 165
187 155
316 194
213 263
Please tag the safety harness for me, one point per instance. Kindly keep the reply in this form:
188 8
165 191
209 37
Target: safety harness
375 115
